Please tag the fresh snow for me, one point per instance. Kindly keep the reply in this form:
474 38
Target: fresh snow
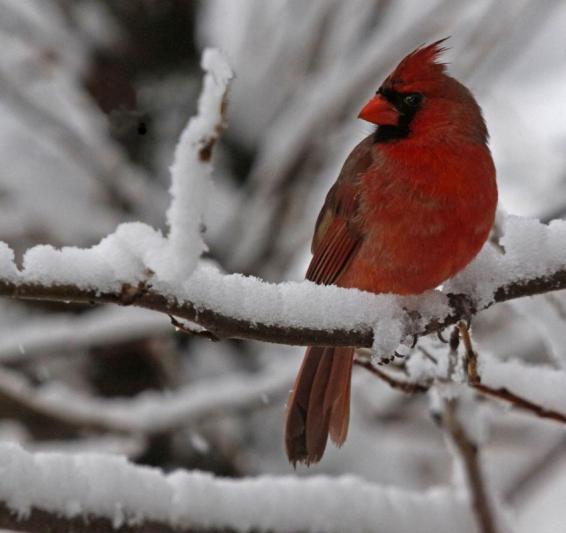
112 487
119 258
8 270
531 249
191 175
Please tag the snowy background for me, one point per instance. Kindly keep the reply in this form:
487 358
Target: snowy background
94 95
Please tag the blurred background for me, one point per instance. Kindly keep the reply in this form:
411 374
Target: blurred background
93 96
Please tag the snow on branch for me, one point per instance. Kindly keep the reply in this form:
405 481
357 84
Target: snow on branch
101 493
235 306
535 389
191 172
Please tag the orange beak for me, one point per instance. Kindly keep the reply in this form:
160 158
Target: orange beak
380 112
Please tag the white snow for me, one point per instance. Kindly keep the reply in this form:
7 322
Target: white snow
126 256
8 269
387 335
531 249
127 494
119 258
289 304
191 175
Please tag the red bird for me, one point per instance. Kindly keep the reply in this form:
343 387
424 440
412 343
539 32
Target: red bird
412 206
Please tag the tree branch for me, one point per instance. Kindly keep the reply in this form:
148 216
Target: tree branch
501 393
474 381
224 326
394 383
193 501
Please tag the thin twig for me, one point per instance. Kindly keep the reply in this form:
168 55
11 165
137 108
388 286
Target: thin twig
521 403
469 453
501 393
471 357
474 381
403 386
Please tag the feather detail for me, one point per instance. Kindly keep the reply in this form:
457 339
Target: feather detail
421 64
333 254
337 396
319 403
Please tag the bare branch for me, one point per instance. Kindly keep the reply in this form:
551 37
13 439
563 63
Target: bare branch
394 383
519 402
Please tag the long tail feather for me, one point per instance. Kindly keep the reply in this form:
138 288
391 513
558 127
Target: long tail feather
319 403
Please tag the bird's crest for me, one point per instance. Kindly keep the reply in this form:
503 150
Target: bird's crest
421 64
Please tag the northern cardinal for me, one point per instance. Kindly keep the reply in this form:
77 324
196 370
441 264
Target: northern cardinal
412 206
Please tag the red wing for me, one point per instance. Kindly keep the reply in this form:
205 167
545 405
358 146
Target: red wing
336 238
338 229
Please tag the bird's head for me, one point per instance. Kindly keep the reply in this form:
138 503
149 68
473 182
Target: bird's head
420 98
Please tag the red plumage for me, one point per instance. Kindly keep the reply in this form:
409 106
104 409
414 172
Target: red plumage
412 206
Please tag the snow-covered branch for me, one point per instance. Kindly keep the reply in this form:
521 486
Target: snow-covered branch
191 172
102 492
510 382
232 306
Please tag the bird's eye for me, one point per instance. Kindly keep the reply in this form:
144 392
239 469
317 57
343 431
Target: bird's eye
412 100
